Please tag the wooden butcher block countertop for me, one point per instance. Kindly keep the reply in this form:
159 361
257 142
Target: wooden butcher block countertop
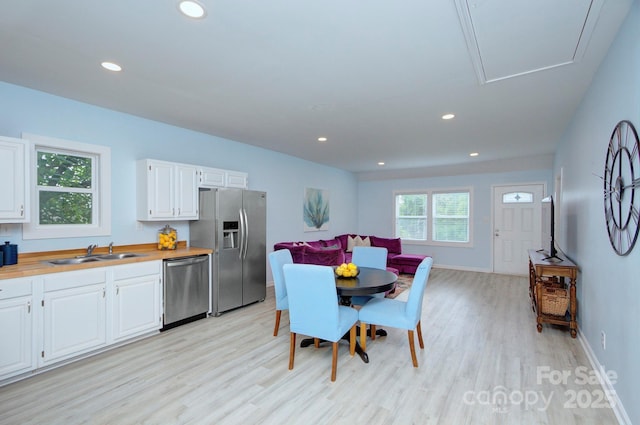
36 263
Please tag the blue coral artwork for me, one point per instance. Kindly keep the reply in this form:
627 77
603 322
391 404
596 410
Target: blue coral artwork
315 213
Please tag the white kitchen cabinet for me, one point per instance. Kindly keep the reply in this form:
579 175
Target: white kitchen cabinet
14 184
16 327
137 302
216 177
237 179
74 314
211 177
186 198
166 191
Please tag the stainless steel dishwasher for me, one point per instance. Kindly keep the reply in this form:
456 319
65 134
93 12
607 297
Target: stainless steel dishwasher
186 289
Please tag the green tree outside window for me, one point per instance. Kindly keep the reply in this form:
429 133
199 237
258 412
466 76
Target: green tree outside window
411 216
65 188
451 217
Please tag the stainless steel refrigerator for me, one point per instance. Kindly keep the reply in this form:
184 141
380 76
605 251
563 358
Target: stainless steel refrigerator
233 224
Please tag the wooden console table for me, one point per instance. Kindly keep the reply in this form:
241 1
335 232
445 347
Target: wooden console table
552 273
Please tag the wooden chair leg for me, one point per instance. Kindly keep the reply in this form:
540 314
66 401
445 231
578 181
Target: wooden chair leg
413 350
316 342
363 335
275 329
419 330
292 349
334 361
373 332
352 340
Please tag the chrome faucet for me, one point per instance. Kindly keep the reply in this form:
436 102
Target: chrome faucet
90 249
111 248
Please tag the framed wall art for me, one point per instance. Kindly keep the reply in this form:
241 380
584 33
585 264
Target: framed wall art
315 210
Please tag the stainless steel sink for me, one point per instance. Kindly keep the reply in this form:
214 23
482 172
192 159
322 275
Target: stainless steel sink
103 257
119 256
74 260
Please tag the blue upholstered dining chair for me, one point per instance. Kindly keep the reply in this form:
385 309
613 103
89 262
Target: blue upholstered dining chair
368 256
314 310
398 314
277 259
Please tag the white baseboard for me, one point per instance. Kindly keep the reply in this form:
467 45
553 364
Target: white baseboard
607 386
461 268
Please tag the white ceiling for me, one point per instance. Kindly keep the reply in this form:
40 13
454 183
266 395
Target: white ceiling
373 76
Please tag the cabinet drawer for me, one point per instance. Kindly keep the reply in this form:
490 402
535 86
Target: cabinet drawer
128 271
11 288
66 280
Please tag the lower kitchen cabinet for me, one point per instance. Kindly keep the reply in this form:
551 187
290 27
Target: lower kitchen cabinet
137 290
56 317
16 327
74 314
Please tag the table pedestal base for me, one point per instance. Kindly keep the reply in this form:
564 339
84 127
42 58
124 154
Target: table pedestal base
359 351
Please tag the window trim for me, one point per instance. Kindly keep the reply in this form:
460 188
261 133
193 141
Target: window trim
101 226
429 192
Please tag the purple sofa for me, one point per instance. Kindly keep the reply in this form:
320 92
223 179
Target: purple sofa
334 251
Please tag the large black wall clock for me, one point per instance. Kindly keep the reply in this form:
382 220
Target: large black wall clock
622 188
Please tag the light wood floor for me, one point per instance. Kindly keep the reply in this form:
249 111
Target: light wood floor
479 366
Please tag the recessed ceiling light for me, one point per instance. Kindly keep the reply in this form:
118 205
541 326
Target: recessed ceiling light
322 139
380 163
474 154
192 9
111 66
448 116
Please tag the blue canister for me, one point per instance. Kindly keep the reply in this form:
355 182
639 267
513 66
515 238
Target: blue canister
10 252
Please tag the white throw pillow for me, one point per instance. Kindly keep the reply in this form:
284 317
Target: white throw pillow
351 242
363 242
357 241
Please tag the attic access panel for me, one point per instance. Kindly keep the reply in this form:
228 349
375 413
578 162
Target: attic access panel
509 38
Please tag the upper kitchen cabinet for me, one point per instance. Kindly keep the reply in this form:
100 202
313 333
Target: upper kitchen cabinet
166 191
14 184
237 179
212 177
216 177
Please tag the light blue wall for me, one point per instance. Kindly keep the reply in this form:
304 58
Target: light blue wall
376 205
283 177
608 286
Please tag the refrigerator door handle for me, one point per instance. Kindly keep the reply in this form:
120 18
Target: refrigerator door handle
245 234
242 231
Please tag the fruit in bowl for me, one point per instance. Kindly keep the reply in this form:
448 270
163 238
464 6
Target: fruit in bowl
347 270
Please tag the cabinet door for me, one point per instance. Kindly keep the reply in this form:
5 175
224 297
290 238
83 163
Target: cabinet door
137 300
237 179
212 177
14 184
161 187
74 321
186 192
15 336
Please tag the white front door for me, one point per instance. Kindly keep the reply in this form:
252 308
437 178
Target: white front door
516 226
